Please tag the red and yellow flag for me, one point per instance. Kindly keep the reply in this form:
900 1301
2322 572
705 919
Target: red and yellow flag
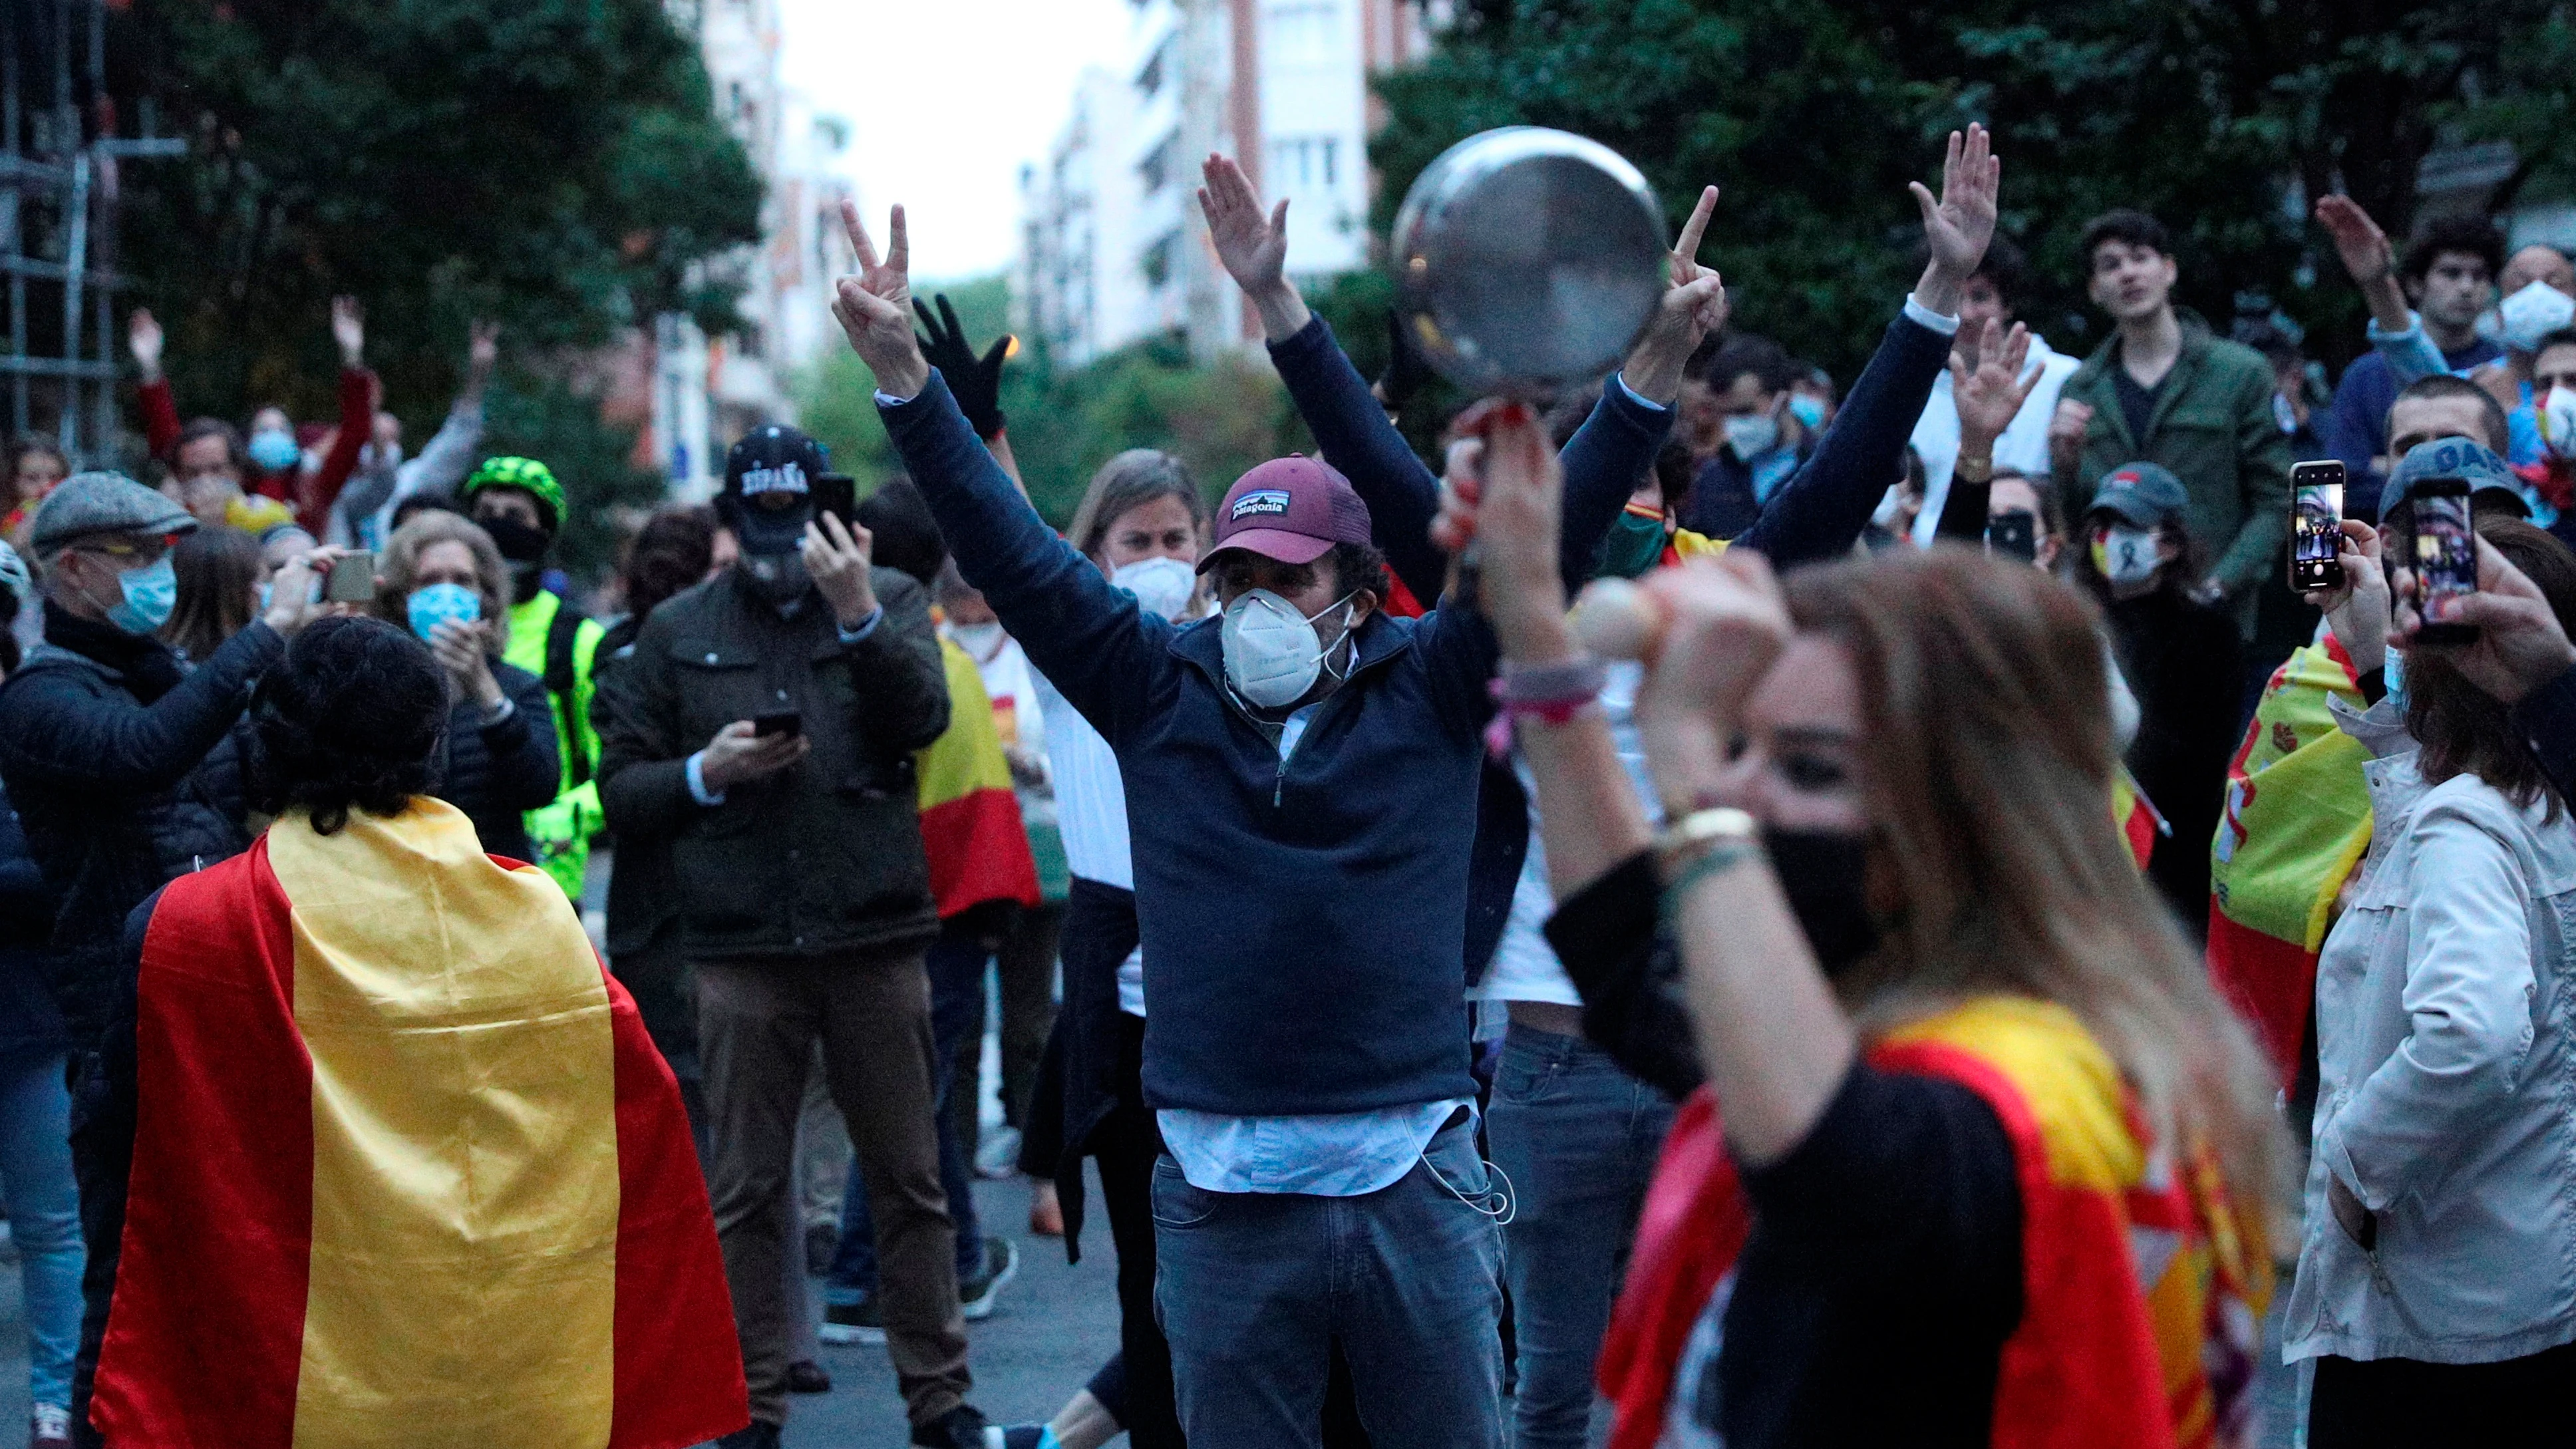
970 818
2141 1292
407 1168
2296 823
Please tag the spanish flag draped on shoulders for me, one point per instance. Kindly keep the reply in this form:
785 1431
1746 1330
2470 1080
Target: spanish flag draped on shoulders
2140 1296
406 1168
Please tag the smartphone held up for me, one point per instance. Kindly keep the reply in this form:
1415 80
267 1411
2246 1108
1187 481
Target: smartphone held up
2316 526
2442 548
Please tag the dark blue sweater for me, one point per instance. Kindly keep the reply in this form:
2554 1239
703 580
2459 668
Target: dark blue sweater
1303 920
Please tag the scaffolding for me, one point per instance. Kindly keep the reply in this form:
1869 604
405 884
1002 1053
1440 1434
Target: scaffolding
59 154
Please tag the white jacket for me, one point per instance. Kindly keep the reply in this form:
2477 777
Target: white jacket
2446 1097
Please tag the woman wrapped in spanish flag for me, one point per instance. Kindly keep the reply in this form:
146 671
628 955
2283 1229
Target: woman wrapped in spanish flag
1981 1108
400 1164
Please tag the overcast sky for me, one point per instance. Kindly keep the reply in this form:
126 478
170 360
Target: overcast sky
946 99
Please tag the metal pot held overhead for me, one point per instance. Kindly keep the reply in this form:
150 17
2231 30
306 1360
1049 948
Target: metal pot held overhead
1527 260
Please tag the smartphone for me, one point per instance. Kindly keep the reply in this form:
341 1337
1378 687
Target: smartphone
837 495
2316 516
777 722
2015 533
2445 553
352 579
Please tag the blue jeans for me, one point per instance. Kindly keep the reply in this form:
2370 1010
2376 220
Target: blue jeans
956 1003
1255 1289
44 1218
1578 1138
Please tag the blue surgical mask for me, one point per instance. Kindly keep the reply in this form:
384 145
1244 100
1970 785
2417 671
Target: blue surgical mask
441 603
274 449
149 595
1809 411
1752 435
2393 672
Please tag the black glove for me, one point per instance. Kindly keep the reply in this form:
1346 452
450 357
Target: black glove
1406 372
975 382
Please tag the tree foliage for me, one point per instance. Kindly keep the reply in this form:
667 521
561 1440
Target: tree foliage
555 164
2223 116
1064 423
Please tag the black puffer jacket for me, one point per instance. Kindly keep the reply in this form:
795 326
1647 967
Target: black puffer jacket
497 772
31 1025
126 771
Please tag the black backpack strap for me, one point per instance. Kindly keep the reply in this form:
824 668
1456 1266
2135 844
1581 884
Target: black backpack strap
561 634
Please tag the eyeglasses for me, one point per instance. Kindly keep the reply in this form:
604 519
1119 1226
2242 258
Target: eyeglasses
148 550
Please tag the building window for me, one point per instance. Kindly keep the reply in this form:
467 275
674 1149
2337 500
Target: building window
1157 261
1302 32
1302 163
1149 81
1156 168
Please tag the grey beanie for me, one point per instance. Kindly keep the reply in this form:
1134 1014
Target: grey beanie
99 502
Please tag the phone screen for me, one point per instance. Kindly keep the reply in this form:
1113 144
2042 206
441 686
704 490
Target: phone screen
352 579
2015 533
2316 511
2446 557
837 495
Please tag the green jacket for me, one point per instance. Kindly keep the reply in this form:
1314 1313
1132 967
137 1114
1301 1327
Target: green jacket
2213 426
560 832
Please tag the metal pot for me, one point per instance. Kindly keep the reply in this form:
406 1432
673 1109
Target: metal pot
1528 260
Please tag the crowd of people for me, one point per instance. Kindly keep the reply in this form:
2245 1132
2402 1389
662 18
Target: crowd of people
1725 912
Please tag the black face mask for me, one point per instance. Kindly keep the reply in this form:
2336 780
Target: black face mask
1825 875
778 577
517 542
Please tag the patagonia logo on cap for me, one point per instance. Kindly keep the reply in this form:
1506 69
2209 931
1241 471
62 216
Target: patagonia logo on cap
785 478
1261 501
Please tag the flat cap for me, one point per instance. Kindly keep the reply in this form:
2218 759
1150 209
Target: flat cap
100 502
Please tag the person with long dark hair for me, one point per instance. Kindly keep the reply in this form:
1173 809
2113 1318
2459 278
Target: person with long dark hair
220 574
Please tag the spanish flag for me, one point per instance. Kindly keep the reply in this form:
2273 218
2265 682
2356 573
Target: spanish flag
2297 821
970 817
2142 1285
407 1169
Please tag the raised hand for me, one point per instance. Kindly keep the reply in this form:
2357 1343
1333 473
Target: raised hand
1252 246
976 382
2368 257
483 346
1693 306
1508 478
143 338
2066 429
1720 625
349 329
1991 390
1959 223
874 307
459 648
837 558
2358 611
2520 645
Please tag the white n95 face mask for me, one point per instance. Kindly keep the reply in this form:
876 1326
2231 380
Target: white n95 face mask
2533 313
2126 557
1162 586
2558 421
1273 654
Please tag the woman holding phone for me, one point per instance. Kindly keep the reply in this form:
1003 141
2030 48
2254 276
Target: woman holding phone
443 579
2437 1283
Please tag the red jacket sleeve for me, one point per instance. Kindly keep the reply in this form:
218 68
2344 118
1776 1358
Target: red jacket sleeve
318 490
160 418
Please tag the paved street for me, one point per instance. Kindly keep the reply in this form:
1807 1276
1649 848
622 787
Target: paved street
1053 1327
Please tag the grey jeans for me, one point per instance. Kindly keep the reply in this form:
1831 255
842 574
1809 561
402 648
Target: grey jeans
1254 1290
757 1027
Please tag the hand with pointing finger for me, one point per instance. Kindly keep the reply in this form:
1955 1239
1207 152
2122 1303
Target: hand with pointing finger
874 307
1693 306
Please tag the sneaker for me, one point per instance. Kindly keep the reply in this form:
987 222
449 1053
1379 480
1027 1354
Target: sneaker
1001 1264
822 1245
998 1156
807 1377
860 1322
758 1434
965 1428
49 1427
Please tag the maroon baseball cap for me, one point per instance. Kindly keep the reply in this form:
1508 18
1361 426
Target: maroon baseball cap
1292 509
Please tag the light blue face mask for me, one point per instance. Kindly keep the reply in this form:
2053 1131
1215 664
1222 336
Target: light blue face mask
1809 411
442 604
148 597
2394 672
274 449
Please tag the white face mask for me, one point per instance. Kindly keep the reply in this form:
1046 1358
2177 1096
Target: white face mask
2558 421
2533 313
1752 436
1273 654
1162 586
2127 558
980 640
